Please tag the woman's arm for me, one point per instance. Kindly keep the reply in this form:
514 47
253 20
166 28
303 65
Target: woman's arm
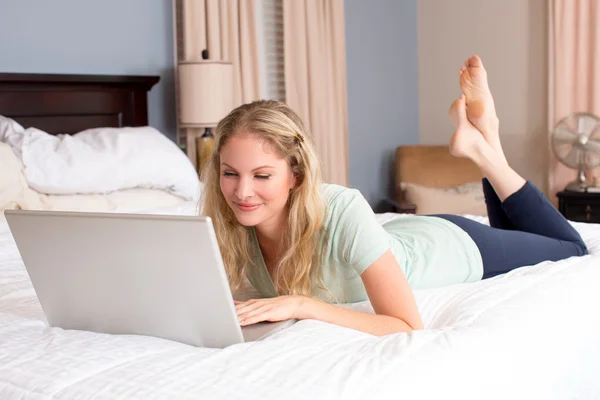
388 290
391 298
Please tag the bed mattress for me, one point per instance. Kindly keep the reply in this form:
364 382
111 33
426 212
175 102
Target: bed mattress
531 333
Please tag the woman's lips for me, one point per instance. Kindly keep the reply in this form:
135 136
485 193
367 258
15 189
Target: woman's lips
246 207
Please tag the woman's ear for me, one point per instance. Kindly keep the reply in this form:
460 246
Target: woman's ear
294 182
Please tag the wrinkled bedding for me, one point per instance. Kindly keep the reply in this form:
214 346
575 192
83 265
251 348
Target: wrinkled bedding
531 333
94 161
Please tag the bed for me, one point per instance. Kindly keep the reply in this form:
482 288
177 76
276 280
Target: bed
82 143
530 334
72 103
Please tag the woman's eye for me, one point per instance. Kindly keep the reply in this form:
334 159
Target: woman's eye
262 176
229 174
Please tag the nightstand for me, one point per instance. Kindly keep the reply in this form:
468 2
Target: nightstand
389 205
579 206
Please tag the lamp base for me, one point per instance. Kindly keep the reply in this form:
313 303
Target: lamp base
205 145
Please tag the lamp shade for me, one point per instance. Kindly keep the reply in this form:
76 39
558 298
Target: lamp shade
205 92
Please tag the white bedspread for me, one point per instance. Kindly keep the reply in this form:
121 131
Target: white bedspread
101 160
531 334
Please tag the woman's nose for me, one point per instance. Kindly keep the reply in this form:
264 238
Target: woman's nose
244 189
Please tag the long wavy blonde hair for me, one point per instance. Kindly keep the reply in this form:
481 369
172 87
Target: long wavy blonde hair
299 268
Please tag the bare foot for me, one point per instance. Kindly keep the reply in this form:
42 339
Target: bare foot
469 142
481 110
466 141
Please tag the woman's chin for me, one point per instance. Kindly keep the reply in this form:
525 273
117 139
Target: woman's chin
247 220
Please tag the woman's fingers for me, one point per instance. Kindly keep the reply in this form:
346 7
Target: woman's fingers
247 306
252 303
272 309
257 310
254 316
248 302
251 310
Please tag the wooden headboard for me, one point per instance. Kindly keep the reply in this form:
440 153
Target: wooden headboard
71 103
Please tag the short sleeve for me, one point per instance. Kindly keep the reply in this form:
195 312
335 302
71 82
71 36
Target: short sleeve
357 238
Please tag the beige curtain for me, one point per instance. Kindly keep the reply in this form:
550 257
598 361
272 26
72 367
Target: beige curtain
227 29
315 78
574 71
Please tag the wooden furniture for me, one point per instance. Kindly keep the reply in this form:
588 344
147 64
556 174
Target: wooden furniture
579 206
71 103
431 166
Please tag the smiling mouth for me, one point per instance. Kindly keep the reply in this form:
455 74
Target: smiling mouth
247 207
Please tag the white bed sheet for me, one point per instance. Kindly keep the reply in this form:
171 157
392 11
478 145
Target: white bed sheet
532 333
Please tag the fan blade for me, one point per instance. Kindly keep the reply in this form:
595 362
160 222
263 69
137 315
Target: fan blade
572 159
592 160
586 124
570 122
595 132
563 135
593 145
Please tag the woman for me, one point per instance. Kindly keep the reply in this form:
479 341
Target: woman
305 245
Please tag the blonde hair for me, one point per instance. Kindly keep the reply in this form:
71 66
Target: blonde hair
304 239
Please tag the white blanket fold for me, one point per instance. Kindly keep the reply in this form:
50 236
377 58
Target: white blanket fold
101 160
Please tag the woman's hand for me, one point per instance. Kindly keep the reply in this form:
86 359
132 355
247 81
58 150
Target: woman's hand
273 309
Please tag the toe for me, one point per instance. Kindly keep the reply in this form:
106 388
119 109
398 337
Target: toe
475 61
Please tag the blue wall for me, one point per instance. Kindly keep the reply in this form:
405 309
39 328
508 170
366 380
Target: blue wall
116 37
135 37
381 53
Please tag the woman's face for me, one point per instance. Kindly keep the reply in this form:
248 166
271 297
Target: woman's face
255 181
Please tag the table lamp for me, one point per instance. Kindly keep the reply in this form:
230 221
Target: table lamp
205 97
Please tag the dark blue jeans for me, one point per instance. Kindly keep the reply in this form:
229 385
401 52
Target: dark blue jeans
525 229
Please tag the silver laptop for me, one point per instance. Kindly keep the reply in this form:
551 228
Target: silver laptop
156 275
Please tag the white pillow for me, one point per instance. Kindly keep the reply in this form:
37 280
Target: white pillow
12 133
12 181
105 160
464 199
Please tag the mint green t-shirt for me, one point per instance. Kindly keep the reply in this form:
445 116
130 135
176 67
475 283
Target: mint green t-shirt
431 251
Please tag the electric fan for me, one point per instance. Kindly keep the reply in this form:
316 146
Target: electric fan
576 143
